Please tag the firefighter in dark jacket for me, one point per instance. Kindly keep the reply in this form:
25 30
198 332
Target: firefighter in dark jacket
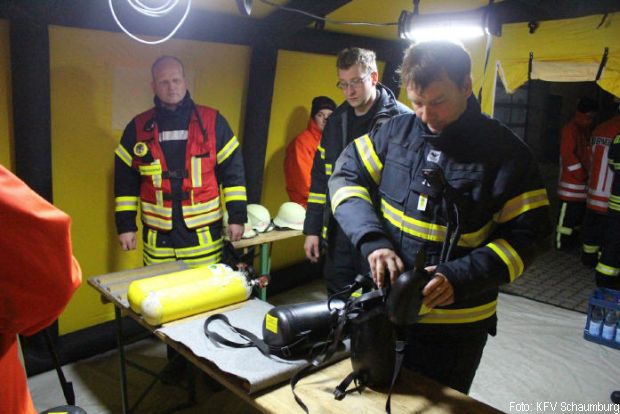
171 161
492 204
367 105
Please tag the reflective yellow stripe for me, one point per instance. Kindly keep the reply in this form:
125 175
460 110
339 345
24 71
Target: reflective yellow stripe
317 198
203 261
123 154
369 157
614 203
196 172
156 222
237 193
328 169
200 250
430 231
321 151
204 235
126 203
588 248
159 197
151 169
149 208
228 149
324 232
201 208
607 270
151 237
522 203
509 256
347 192
465 315
159 252
203 219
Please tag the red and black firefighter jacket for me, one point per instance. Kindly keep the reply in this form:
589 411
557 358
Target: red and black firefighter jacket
337 134
172 163
575 159
381 199
601 175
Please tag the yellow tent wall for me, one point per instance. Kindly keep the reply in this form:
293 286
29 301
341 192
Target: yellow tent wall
580 41
6 146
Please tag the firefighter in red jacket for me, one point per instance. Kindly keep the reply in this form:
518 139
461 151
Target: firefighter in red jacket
599 188
574 166
300 152
171 161
608 267
38 275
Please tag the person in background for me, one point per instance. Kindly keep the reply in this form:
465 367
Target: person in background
595 226
38 275
368 104
574 165
608 266
300 152
171 162
386 202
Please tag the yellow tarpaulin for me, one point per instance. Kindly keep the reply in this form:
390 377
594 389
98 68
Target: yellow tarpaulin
563 51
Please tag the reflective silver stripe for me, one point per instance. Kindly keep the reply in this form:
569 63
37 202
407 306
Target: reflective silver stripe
509 256
465 315
178 135
369 157
201 208
126 203
588 248
156 177
574 167
156 222
203 219
317 198
578 196
196 172
237 193
522 203
228 149
159 197
204 235
203 261
149 208
346 192
572 186
124 155
189 252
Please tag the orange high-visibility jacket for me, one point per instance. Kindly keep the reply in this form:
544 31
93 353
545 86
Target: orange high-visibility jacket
38 275
298 163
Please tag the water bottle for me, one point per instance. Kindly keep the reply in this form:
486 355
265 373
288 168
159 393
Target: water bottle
609 326
618 332
596 321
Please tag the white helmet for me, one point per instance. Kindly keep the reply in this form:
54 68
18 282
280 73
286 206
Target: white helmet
248 232
290 215
259 218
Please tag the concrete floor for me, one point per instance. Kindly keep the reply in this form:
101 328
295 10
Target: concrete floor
538 355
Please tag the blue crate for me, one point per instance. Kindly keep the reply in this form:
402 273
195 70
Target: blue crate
609 300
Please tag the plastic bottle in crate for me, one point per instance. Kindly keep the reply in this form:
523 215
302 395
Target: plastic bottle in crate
596 321
609 326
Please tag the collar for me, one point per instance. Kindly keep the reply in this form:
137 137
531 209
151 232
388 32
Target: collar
185 105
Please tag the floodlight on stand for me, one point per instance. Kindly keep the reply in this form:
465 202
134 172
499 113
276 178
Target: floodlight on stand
245 7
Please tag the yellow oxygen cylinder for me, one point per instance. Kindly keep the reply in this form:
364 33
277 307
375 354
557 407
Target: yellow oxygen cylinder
140 289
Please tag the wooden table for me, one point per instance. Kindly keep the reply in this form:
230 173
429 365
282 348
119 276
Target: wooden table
413 393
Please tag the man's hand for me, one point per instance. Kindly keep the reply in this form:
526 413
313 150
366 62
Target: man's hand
311 246
235 231
127 240
439 291
381 259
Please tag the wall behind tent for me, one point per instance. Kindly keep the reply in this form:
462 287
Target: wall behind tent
99 81
299 78
6 117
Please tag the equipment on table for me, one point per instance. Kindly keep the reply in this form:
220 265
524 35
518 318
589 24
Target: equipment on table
290 215
259 218
172 296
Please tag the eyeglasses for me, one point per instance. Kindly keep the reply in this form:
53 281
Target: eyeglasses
354 83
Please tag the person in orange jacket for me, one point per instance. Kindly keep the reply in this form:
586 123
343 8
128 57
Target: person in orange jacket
574 166
300 152
38 275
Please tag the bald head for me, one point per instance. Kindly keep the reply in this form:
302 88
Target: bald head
169 81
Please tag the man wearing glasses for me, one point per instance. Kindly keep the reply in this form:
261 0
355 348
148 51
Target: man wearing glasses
368 104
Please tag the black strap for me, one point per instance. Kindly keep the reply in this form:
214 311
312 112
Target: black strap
398 363
174 174
179 196
602 65
341 390
202 128
252 340
67 387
